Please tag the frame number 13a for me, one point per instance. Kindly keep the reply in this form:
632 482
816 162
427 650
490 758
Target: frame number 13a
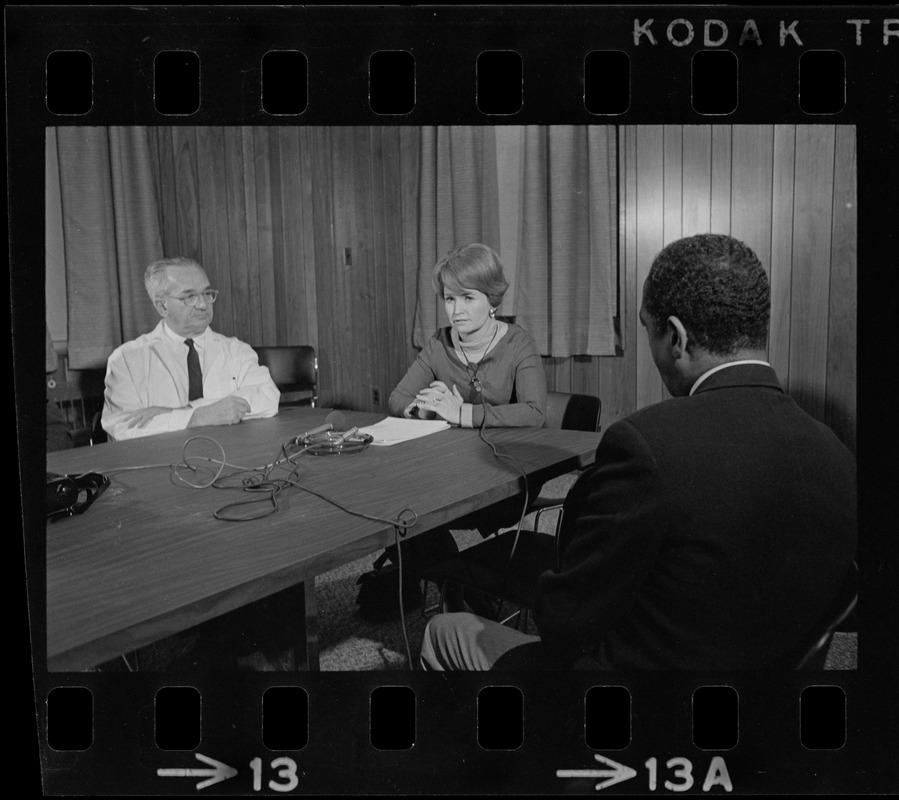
677 775
681 771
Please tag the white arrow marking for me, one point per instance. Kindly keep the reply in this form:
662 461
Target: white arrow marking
617 774
219 772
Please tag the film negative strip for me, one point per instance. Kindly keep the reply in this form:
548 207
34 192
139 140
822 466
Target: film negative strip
779 125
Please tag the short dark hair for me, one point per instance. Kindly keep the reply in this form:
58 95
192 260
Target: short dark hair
716 286
474 266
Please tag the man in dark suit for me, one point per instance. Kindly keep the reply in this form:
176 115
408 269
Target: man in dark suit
715 528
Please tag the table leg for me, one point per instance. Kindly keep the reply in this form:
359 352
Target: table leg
306 648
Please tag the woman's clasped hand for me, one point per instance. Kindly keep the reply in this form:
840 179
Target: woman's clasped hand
441 401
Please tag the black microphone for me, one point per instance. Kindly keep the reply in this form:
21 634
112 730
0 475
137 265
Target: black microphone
334 421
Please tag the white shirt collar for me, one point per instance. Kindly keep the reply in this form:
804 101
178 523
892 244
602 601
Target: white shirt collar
198 340
727 364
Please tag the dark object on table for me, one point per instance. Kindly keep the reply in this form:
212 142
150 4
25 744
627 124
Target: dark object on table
73 494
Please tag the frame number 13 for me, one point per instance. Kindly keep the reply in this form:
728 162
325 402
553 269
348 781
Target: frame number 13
286 771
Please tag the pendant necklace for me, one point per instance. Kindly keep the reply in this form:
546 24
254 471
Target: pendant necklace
475 382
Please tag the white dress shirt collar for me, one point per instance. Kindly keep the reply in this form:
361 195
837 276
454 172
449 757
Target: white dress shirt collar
727 364
200 340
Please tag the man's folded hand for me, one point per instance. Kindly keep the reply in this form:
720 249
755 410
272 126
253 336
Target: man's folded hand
140 418
227 411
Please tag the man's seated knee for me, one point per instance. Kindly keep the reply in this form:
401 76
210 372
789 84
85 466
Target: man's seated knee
463 641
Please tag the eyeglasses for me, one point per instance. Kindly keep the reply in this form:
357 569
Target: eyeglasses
191 300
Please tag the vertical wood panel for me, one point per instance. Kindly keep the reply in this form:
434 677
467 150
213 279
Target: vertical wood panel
324 260
251 209
840 411
236 235
549 372
393 301
697 180
306 254
751 192
345 381
563 374
674 203
721 178
367 337
380 274
410 165
281 241
673 187
265 244
650 240
631 290
583 375
812 211
609 370
781 251
558 373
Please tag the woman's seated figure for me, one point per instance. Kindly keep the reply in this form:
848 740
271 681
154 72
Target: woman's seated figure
478 372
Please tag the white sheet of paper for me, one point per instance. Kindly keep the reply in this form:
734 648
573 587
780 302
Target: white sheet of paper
393 430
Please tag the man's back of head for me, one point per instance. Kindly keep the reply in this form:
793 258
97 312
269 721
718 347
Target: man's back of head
706 301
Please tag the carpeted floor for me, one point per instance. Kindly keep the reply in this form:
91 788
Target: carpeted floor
348 642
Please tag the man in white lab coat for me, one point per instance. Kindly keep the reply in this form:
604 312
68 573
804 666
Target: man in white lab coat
183 374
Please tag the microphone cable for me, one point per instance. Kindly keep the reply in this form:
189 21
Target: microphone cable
258 481
397 535
405 519
499 456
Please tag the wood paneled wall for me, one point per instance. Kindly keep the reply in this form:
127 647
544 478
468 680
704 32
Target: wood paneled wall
789 192
311 234
308 233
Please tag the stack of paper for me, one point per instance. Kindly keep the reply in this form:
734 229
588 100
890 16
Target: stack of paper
393 430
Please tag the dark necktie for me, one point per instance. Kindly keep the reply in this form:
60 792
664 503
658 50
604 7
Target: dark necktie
194 373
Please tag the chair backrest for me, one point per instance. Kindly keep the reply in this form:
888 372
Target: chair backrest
78 396
293 369
573 412
98 434
811 653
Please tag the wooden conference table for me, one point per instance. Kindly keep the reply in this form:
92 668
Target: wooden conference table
148 559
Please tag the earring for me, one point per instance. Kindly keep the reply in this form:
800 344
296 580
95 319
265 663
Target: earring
492 313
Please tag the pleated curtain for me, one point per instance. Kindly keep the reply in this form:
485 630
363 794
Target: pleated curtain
567 259
458 205
111 233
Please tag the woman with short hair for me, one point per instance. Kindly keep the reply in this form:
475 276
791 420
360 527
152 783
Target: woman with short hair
478 371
